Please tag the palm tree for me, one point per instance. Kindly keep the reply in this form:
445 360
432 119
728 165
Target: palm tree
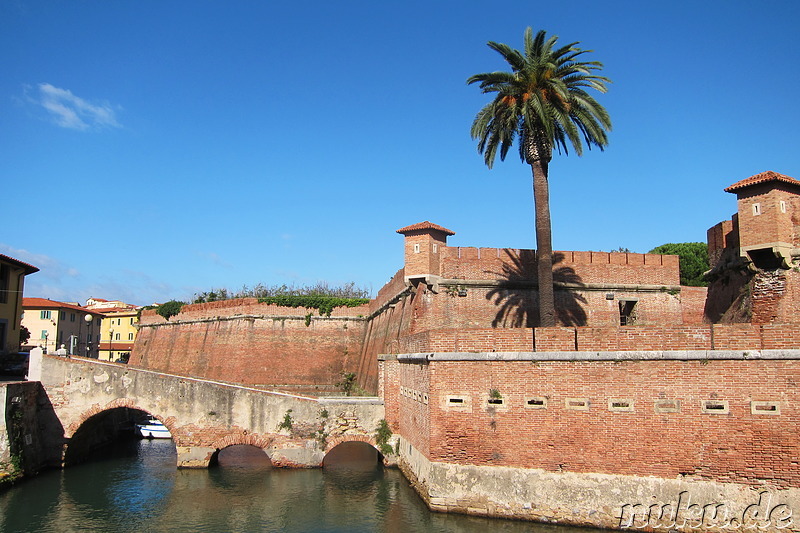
542 101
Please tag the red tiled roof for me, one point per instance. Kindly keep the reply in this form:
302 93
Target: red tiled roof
44 303
29 269
422 226
764 177
131 309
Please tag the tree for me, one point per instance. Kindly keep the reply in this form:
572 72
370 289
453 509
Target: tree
543 102
693 259
169 309
24 335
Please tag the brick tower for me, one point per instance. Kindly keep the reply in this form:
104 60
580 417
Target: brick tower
768 211
424 244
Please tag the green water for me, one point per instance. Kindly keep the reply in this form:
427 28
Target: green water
138 489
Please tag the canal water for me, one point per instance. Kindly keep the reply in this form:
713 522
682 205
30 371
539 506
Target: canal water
138 489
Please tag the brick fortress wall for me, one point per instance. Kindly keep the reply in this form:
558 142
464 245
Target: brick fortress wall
264 345
725 420
245 342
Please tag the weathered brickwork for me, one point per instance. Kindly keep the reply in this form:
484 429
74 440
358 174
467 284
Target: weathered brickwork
761 218
577 267
695 419
278 352
589 339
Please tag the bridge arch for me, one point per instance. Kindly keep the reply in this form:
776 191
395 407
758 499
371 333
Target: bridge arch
333 442
347 450
127 403
98 427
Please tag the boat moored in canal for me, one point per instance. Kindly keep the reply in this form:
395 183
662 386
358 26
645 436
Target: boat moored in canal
153 429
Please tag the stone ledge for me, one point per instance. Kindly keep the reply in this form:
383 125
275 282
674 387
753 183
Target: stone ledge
655 355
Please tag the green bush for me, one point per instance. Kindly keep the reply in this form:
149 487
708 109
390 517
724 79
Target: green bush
169 309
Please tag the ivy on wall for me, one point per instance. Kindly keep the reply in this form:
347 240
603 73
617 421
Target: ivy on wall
324 304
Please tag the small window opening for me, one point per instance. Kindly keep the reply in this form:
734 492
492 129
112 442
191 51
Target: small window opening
627 312
535 402
623 405
715 407
783 206
416 248
495 401
456 400
756 209
435 248
765 408
580 404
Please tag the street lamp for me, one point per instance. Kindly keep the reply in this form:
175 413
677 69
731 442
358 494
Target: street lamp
46 335
88 318
110 345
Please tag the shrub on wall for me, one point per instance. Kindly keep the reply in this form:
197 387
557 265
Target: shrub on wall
324 304
169 309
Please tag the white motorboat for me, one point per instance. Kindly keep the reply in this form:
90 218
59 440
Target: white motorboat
153 429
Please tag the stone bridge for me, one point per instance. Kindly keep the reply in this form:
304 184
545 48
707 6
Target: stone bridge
93 399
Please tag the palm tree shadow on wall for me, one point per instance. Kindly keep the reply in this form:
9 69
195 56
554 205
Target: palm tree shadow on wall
515 295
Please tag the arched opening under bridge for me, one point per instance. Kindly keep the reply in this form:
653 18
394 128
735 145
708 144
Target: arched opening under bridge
241 456
353 455
113 433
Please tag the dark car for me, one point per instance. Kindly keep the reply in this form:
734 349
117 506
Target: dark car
14 364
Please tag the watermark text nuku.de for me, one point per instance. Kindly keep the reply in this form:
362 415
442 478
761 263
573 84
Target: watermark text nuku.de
682 513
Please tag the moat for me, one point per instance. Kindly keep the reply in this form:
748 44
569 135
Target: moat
138 488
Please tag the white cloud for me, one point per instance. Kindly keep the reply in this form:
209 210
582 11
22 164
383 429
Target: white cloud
49 267
72 112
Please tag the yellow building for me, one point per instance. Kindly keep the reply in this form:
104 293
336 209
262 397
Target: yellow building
55 324
118 328
12 280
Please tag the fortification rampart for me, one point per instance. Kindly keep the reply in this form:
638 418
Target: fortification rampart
595 339
288 352
581 267
591 427
246 307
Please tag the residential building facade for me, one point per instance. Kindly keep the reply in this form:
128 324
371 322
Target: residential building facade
12 281
118 328
54 325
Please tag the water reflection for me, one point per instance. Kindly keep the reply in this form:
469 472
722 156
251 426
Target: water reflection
144 492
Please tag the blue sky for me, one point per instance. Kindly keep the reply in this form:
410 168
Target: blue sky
151 150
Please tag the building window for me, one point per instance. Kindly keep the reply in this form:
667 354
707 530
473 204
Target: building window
783 206
131 321
44 315
44 334
62 315
116 336
130 336
435 248
416 248
756 209
72 317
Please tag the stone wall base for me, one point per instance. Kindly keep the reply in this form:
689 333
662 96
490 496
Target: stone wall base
600 500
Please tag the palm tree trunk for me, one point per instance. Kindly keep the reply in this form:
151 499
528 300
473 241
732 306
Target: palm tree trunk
544 244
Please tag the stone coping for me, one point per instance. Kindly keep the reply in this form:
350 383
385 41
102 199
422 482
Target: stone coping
350 400
655 355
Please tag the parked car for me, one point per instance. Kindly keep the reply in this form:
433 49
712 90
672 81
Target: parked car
14 364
